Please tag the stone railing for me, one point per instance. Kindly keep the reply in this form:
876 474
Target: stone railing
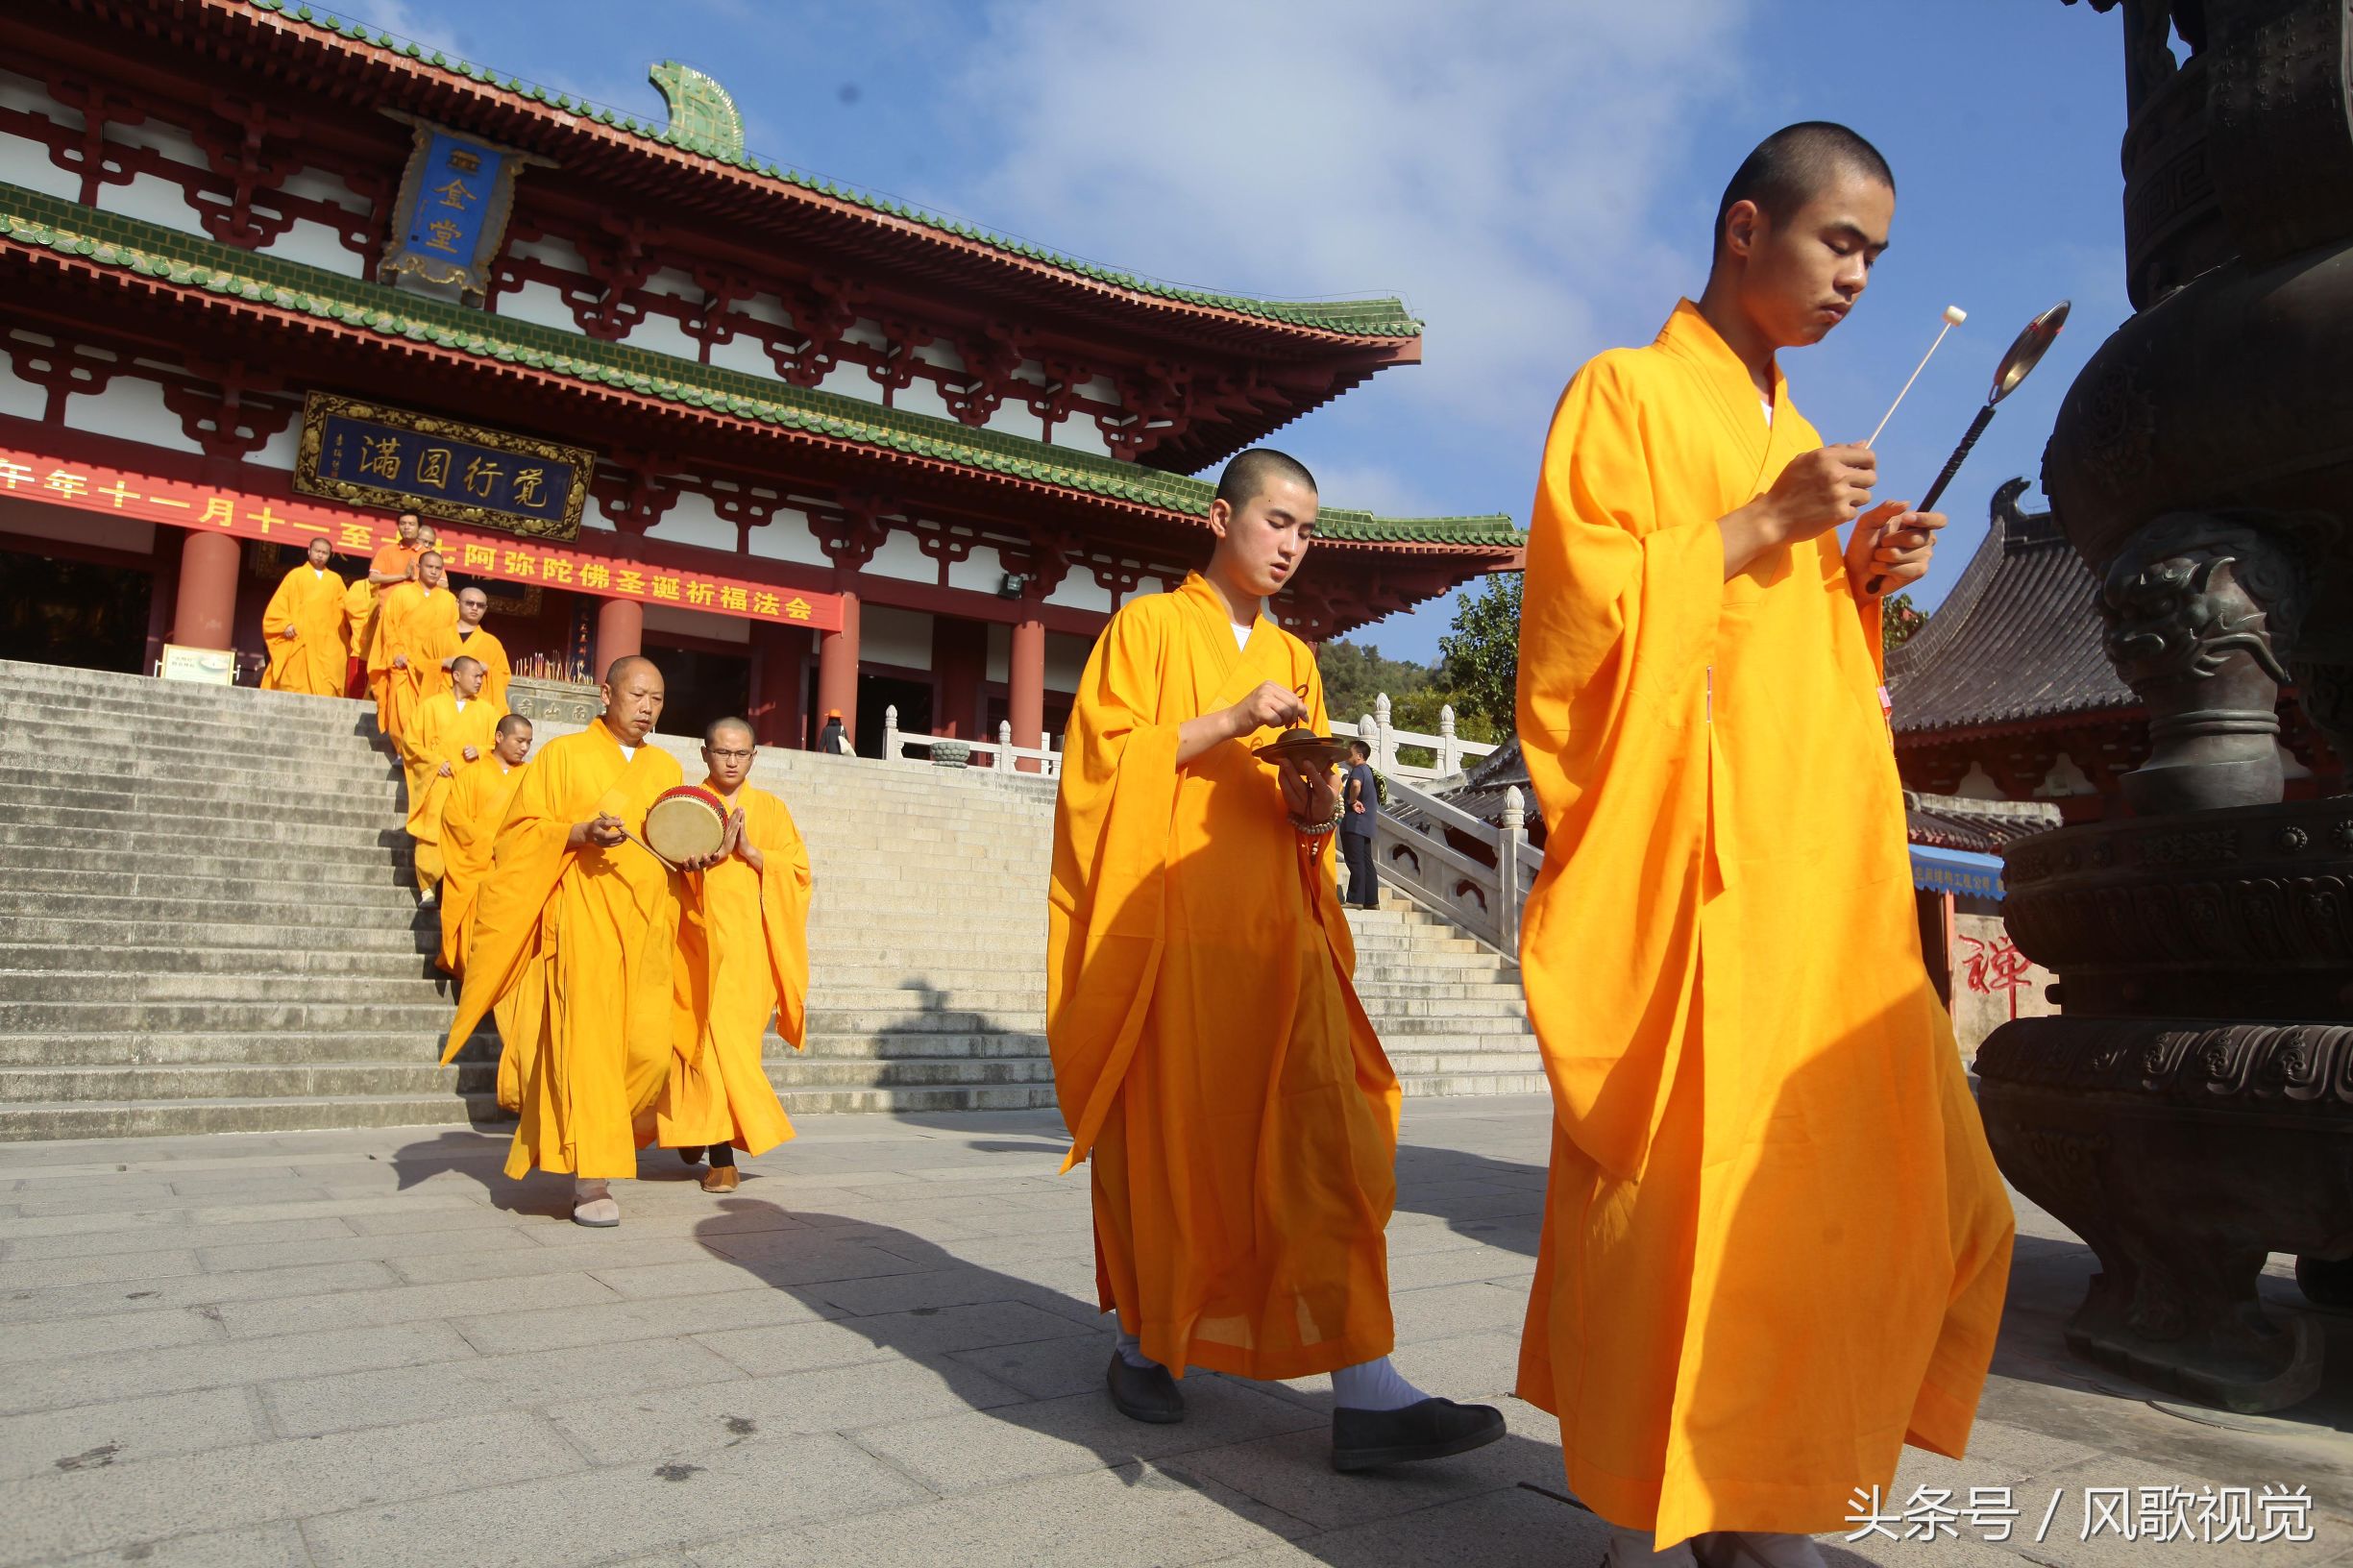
1376 731
1484 900
949 751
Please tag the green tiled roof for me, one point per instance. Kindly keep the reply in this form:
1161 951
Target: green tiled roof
110 239
1359 318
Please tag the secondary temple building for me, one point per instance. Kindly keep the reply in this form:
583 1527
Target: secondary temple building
272 274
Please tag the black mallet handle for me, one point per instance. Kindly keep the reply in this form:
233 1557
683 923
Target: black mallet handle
1953 466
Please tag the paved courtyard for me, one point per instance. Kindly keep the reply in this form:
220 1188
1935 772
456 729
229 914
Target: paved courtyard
367 1347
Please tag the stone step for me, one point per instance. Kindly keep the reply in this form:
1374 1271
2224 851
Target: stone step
158 896
245 1080
987 947
1434 1086
191 810
107 741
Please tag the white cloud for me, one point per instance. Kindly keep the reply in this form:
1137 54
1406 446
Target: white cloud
1494 164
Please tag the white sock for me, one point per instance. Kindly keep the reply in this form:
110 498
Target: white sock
1373 1386
588 1190
1130 1348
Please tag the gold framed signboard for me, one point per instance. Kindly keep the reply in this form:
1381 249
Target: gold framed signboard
364 452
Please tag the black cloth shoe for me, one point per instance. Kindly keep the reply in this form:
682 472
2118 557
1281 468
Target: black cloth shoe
1144 1394
1364 1439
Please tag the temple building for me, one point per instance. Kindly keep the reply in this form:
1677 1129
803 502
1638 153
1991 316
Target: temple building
272 274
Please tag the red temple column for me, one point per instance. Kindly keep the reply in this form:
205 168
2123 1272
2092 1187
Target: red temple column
960 663
206 612
776 718
837 669
620 631
1026 683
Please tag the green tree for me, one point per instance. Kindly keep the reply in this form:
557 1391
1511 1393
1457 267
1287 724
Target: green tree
1899 621
1481 655
1354 673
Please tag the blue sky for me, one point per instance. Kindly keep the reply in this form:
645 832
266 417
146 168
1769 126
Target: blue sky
1536 179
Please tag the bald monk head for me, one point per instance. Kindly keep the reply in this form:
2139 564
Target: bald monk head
513 740
727 750
428 537
407 527
472 605
319 552
429 570
632 693
466 677
1263 516
1797 232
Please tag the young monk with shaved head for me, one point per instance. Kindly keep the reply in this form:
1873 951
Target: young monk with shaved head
1208 1049
471 812
743 960
453 732
415 630
304 625
577 923
1775 1242
474 643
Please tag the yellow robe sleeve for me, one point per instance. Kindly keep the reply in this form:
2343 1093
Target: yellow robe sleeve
1107 915
1617 633
531 857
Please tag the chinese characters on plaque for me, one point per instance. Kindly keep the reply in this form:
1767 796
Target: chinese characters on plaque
451 215
455 473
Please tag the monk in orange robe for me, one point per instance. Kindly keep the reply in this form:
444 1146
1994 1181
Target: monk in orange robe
1775 1244
452 734
416 631
743 960
304 625
578 921
474 643
472 810
1209 1052
393 564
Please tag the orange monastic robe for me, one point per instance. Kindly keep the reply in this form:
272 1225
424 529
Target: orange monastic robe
1775 1244
362 608
443 731
1209 1048
578 943
420 626
496 670
743 958
472 810
312 660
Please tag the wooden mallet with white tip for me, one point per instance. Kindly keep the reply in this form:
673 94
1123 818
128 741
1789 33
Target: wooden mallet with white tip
1954 315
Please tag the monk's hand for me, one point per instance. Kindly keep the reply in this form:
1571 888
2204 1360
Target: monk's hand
447 771
1821 490
604 830
291 633
400 661
470 754
1892 545
739 843
447 663
1267 707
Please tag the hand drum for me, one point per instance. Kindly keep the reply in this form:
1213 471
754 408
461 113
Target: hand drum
685 823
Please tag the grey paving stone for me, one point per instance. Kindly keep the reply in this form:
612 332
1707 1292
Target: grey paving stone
1132 1516
1441 1310
1047 1368
1511 1527
88 1379
446 1267
1294 1472
933 1288
767 1261
266 1546
138 1222
118 1332
532 1381
170 1292
27 1281
167 1238
978 1449
1458 1266
596 1515
551 1330
122 1432
686 1421
405 1304
341 1245
932 1331
86 1510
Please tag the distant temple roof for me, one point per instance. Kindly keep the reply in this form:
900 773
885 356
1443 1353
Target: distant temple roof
1953 821
2017 640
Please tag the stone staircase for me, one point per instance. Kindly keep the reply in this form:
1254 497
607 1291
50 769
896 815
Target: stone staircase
208 923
